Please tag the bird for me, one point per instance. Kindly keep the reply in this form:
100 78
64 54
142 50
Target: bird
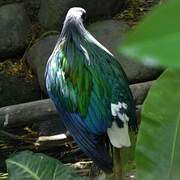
90 91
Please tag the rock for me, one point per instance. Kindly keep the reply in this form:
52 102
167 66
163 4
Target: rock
32 9
110 34
50 127
3 2
15 30
52 12
38 55
15 90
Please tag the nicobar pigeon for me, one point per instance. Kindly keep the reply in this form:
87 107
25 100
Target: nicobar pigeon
90 91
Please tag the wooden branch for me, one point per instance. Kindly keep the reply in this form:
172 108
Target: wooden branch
47 139
9 135
23 114
42 143
43 110
51 138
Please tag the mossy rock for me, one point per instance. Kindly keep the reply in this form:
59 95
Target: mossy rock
52 12
15 30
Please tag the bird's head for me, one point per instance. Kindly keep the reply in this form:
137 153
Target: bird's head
76 13
74 21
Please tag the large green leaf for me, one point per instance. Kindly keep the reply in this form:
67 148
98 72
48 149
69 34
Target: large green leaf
158 142
30 166
156 40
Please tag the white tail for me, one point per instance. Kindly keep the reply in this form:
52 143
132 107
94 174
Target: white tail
119 137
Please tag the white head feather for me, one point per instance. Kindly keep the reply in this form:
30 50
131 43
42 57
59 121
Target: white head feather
75 12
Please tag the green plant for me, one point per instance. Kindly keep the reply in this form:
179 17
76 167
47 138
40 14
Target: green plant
37 166
156 41
157 152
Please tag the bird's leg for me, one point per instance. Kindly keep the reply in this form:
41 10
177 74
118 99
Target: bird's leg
117 170
117 163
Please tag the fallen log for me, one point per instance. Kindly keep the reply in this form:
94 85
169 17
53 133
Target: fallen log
43 110
22 114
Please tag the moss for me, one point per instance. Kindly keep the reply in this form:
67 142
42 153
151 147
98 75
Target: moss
135 10
18 68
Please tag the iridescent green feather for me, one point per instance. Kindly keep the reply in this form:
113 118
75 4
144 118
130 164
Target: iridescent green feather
73 81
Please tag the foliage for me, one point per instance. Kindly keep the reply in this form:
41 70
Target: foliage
134 11
157 151
28 165
156 40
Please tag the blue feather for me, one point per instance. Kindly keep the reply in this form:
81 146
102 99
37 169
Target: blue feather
91 144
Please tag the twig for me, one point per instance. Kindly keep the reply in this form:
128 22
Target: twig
10 135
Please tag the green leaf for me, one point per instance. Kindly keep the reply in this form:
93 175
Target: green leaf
157 39
158 142
30 166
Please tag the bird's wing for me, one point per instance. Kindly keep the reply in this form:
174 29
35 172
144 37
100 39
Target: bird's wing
118 100
70 86
115 86
90 88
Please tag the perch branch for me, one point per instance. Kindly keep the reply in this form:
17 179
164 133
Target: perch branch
51 138
23 114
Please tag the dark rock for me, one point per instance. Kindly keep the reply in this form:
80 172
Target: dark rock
50 127
110 33
3 2
31 6
52 12
32 9
38 55
15 30
15 90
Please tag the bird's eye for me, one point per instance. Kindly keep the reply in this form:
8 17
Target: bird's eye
83 16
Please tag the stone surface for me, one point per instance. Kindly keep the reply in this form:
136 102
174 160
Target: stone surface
52 12
110 33
32 8
15 90
3 2
15 30
50 127
38 55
